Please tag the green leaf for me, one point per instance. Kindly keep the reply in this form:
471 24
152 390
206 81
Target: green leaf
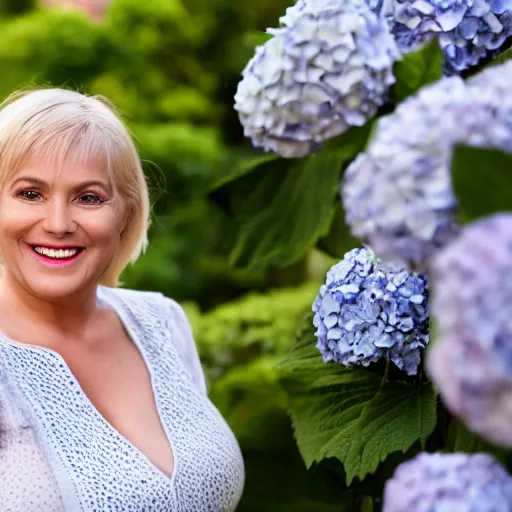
481 181
338 240
417 69
350 414
256 38
349 144
282 207
502 57
242 168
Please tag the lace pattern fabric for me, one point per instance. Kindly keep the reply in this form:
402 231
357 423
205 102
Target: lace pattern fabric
93 467
27 481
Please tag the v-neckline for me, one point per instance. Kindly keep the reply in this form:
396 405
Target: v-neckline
133 337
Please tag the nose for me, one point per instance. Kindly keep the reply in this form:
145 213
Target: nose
58 219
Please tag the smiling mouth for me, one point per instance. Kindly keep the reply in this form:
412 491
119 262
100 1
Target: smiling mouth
67 254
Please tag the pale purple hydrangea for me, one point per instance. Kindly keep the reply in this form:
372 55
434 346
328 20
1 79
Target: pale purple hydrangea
456 482
467 30
367 311
493 96
471 361
398 196
330 69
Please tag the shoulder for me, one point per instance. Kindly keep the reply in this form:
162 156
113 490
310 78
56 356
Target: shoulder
132 298
146 308
145 305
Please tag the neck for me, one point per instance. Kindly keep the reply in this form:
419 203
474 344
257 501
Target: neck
65 317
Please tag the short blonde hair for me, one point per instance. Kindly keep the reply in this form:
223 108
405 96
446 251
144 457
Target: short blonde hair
59 124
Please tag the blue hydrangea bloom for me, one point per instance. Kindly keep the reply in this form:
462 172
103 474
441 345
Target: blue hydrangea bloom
471 361
398 196
367 311
467 30
328 69
455 482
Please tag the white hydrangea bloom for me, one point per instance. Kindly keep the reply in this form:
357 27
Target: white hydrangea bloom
330 69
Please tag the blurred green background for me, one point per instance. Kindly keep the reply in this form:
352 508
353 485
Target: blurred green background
172 67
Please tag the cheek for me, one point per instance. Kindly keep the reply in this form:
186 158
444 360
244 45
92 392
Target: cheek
102 226
16 219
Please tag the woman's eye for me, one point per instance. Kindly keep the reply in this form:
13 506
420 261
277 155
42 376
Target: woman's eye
31 195
90 199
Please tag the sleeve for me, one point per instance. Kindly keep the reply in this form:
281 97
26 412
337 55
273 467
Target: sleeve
27 479
185 344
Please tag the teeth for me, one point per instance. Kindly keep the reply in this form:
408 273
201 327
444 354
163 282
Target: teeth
52 253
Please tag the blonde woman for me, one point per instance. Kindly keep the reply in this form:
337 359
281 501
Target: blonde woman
103 404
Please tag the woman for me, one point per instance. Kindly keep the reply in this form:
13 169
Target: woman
103 403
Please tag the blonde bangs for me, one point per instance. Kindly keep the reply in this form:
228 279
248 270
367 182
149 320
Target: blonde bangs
63 127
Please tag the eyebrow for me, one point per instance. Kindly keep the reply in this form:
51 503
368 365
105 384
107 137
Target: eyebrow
79 186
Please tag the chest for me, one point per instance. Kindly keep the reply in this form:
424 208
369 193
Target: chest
118 385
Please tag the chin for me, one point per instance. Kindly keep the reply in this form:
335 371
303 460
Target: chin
54 288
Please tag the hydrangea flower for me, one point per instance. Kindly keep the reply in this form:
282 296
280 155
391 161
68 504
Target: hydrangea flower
471 361
493 103
367 311
467 30
455 482
329 70
399 196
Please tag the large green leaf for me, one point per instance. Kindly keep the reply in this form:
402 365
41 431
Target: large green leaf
350 413
338 240
242 168
417 69
281 208
481 180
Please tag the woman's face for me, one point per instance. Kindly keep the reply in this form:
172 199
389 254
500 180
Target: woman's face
59 226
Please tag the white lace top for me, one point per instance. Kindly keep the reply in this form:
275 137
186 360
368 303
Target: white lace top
58 453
